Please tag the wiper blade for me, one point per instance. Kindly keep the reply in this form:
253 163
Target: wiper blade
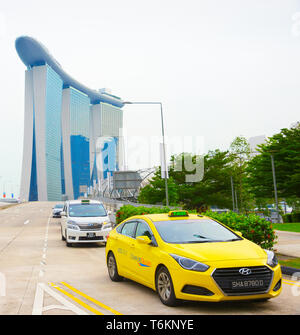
233 239
206 241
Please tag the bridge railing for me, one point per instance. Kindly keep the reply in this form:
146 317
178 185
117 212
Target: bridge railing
114 205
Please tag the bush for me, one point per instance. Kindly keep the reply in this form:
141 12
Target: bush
127 211
253 227
287 218
295 217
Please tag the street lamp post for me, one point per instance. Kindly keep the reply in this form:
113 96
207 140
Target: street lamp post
232 193
275 186
163 138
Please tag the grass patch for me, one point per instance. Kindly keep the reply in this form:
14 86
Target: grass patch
293 227
291 262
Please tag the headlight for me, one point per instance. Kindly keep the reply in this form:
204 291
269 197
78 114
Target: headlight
272 259
190 264
107 225
73 225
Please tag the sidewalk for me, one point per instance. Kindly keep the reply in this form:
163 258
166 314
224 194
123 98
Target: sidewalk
288 243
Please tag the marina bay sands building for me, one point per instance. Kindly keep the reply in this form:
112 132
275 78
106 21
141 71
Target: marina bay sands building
65 125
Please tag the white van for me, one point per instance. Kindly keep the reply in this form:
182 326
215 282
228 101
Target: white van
84 221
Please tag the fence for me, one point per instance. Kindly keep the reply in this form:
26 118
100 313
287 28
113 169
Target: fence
114 205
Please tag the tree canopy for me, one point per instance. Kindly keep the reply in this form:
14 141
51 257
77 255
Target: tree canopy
251 175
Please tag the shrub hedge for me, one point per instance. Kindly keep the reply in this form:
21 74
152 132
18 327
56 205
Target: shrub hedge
291 217
127 211
253 227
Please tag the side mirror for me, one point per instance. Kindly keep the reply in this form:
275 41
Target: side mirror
108 212
238 233
63 214
143 239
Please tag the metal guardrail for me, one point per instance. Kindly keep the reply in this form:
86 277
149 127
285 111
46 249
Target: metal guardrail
114 205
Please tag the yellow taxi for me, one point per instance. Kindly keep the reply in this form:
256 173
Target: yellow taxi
191 257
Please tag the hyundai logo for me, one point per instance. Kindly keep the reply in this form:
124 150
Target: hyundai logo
245 271
90 224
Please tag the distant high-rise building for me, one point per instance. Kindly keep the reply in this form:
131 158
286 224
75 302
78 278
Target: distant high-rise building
64 122
254 142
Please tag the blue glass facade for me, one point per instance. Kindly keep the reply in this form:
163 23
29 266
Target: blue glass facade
53 134
79 141
33 192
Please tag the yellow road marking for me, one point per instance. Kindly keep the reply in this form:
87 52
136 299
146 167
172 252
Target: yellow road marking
91 299
292 284
291 281
83 304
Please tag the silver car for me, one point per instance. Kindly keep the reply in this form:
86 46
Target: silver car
56 210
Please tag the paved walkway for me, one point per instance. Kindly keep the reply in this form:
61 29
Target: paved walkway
288 243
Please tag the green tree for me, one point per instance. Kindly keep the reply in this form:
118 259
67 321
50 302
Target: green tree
240 154
213 189
285 148
154 192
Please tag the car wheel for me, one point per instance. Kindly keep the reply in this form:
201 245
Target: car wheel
62 236
164 287
67 243
112 268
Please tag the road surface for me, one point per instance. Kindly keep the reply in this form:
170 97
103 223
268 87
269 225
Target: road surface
40 275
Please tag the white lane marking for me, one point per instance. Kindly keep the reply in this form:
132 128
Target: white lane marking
48 308
39 298
26 222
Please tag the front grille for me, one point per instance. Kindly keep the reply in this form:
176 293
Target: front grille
86 238
232 282
90 226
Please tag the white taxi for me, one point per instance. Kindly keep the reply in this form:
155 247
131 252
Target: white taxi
84 221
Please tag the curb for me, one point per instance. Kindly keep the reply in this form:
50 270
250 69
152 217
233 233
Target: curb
287 270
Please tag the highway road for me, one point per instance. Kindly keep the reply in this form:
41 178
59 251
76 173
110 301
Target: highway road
40 275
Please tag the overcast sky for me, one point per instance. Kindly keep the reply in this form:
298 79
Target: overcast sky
221 68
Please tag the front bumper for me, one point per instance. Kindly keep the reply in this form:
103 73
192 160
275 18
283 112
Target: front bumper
202 286
83 236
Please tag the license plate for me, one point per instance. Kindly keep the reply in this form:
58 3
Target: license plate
254 283
91 234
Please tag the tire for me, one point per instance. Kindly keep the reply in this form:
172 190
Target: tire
112 268
164 287
67 243
62 236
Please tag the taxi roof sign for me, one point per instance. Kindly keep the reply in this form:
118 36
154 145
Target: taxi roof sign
85 201
179 213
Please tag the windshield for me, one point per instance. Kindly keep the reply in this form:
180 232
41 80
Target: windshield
59 206
194 231
86 210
